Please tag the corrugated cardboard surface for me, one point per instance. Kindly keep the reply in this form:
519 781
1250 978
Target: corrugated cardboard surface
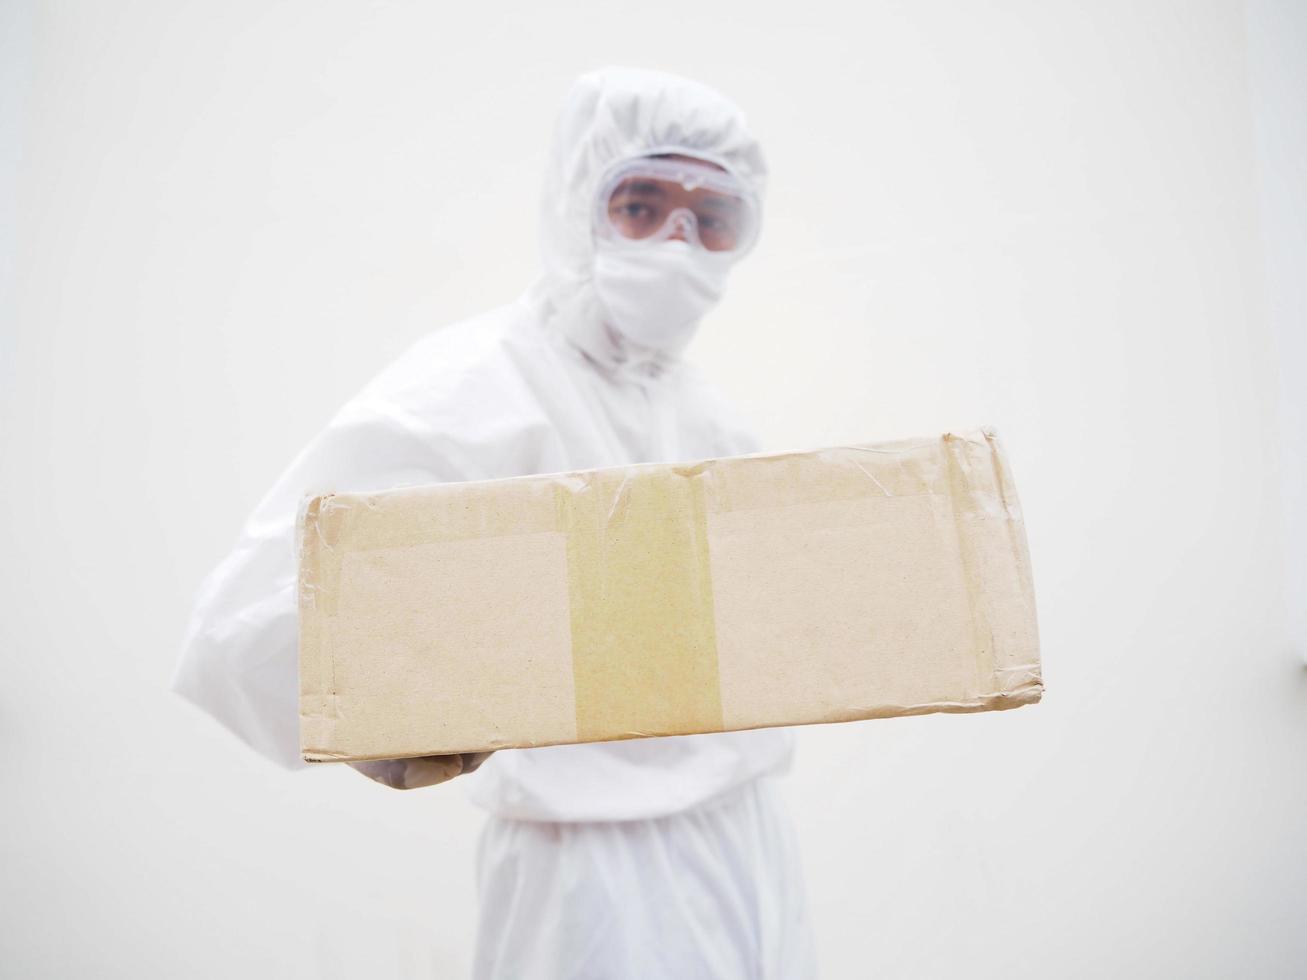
855 582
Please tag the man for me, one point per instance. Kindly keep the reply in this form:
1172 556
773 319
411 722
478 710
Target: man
665 857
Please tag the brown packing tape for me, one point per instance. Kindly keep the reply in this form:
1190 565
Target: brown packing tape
644 650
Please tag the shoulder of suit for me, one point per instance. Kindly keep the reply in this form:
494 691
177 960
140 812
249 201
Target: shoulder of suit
464 363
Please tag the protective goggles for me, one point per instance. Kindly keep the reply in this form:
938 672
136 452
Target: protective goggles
652 199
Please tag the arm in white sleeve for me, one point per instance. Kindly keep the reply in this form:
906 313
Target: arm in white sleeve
240 661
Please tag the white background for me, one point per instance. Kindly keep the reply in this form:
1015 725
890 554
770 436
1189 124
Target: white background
1079 222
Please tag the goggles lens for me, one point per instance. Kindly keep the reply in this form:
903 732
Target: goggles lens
654 199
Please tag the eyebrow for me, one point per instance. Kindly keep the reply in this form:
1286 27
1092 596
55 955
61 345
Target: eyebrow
639 187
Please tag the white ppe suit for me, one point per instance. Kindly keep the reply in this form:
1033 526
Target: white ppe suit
663 857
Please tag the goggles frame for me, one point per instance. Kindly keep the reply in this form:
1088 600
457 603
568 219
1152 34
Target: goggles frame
690 176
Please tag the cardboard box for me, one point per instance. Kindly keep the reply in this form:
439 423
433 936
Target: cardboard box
777 589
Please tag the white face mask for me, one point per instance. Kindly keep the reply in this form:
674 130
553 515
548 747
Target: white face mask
656 294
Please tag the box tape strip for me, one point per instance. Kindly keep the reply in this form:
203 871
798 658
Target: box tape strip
644 645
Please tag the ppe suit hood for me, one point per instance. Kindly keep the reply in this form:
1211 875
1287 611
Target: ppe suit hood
610 116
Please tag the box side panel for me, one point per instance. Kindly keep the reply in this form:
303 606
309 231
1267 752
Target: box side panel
440 625
840 609
858 584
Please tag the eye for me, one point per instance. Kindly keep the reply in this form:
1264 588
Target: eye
633 215
634 210
718 215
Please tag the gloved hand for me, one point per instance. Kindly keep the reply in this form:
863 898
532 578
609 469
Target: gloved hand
427 770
